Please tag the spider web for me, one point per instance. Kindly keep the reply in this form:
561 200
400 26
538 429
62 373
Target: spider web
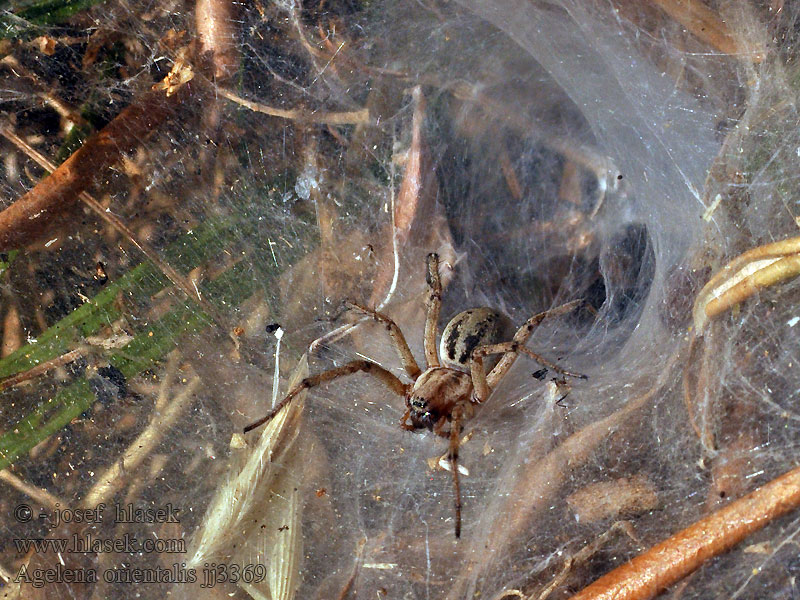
551 151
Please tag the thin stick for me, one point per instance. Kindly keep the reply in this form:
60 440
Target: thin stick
40 369
354 117
776 271
40 495
675 558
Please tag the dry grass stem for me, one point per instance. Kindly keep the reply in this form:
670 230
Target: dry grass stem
40 369
745 276
355 117
40 495
115 476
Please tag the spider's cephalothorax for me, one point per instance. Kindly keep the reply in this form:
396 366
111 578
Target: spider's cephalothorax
433 397
443 394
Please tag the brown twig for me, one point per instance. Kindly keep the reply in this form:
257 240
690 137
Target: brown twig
675 558
33 213
40 369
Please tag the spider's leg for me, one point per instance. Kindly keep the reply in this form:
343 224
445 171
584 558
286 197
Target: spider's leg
433 306
481 389
398 339
522 336
367 366
516 347
481 382
452 455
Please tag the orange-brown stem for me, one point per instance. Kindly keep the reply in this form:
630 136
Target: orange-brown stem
674 558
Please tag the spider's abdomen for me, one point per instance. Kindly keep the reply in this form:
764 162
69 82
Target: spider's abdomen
470 329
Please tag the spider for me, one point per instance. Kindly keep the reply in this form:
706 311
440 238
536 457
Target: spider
443 394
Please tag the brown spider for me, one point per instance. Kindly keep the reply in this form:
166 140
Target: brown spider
442 394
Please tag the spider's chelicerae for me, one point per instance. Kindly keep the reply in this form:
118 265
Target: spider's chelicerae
448 393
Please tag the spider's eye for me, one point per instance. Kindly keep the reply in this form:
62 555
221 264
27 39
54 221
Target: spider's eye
418 403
